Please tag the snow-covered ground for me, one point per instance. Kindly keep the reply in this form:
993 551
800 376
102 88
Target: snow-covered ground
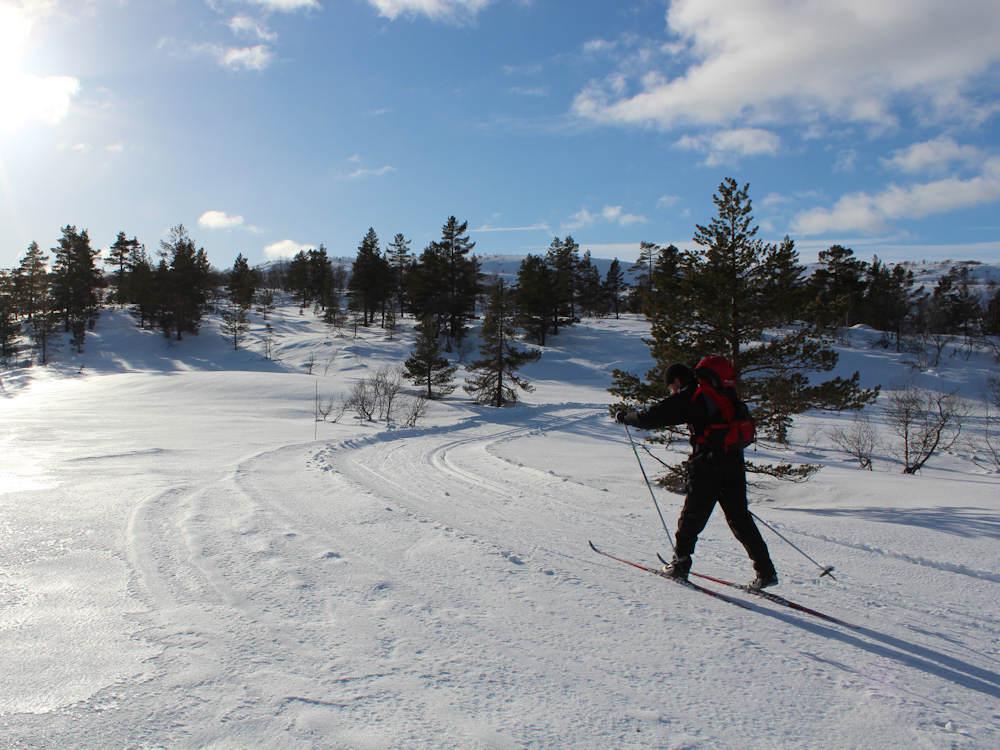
183 565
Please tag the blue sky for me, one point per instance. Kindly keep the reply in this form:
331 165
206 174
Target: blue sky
265 126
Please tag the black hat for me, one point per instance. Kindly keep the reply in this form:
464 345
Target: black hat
683 372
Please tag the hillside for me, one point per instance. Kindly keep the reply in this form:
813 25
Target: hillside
189 560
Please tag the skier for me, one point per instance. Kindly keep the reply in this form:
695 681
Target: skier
705 399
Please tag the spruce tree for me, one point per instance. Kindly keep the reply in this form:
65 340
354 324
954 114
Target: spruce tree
426 366
495 378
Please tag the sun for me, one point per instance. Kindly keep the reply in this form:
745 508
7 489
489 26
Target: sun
26 98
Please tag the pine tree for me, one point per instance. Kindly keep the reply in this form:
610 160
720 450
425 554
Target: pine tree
118 257
731 291
188 281
991 315
426 366
242 283
614 287
588 285
401 262
75 283
297 279
461 278
533 297
370 278
642 274
888 299
235 324
563 258
837 287
142 291
31 280
495 377
10 327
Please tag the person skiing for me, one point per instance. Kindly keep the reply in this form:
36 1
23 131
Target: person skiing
705 399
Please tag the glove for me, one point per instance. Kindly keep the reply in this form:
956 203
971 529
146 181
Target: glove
624 416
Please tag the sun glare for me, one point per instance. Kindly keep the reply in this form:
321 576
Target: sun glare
26 98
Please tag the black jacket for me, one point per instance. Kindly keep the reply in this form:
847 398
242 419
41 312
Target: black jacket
682 408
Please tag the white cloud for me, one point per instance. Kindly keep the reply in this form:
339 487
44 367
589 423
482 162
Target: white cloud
219 220
596 46
931 156
581 218
610 214
438 10
616 215
354 158
379 172
246 26
115 148
846 159
726 146
286 6
284 249
668 201
769 61
257 57
873 213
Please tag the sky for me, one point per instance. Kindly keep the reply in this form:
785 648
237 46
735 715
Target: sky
269 126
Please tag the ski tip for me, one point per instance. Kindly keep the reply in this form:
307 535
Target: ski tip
592 545
828 571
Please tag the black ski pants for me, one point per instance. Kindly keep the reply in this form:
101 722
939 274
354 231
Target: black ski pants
721 480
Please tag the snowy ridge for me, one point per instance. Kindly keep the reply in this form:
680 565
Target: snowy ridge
184 566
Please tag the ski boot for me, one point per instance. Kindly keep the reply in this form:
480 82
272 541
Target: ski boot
679 568
763 581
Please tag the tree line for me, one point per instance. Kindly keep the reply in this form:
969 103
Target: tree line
728 295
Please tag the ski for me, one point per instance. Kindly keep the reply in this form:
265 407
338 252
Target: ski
774 598
678 581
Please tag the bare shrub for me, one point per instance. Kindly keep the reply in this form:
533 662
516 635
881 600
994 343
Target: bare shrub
387 382
926 422
859 441
362 400
413 410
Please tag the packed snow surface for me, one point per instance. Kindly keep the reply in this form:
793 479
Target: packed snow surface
187 559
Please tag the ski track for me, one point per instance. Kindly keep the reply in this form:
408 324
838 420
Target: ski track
251 590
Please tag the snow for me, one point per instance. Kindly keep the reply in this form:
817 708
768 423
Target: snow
183 565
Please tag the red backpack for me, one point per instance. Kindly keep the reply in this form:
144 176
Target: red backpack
717 382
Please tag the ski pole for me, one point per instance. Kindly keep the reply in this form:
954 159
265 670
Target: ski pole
650 486
826 570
